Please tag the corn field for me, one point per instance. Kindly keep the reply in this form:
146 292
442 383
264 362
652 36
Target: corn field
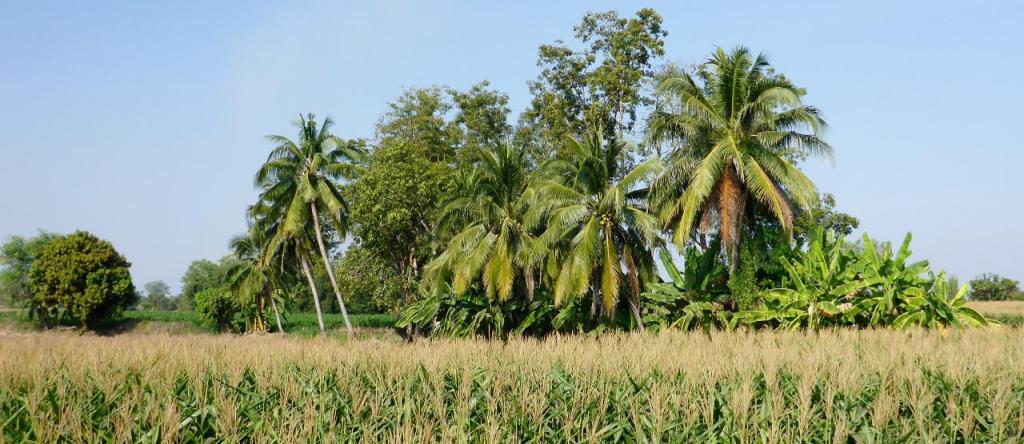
831 386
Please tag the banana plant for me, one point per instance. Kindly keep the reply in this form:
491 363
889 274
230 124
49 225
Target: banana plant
933 308
896 281
690 298
818 287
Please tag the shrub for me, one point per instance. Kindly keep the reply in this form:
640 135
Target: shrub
219 308
80 278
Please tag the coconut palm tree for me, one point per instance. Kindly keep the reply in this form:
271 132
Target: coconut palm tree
491 243
598 227
299 179
284 249
736 129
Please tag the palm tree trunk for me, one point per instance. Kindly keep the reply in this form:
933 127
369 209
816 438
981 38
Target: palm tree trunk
634 286
277 314
730 212
316 296
327 265
530 283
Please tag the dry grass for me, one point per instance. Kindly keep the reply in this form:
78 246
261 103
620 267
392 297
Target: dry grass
766 386
999 308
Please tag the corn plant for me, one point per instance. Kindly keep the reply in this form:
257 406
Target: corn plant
773 386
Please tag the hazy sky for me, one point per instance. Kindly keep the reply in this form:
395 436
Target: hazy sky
143 122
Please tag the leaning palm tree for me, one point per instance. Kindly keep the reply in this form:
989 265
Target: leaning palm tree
284 249
598 227
299 178
491 243
737 129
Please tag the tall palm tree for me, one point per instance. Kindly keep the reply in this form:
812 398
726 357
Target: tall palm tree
598 227
300 179
491 243
737 130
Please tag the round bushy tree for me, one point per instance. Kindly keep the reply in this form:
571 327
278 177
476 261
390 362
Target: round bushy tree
80 278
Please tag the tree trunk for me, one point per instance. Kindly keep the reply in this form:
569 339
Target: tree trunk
633 307
530 284
316 296
634 286
330 272
277 314
730 211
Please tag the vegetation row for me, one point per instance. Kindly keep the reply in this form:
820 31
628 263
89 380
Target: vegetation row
464 222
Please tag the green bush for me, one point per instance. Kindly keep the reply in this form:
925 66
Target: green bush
219 308
81 279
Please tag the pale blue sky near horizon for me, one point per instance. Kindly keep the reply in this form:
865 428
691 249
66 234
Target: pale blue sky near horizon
143 122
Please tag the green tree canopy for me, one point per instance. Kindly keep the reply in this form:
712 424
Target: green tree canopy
600 84
370 283
481 117
993 287
80 278
16 257
157 297
201 275
395 205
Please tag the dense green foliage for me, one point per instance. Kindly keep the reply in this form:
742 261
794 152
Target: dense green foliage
464 223
826 285
202 275
369 284
832 285
220 309
16 257
600 84
81 279
993 287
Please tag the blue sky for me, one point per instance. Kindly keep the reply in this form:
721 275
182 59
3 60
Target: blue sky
143 122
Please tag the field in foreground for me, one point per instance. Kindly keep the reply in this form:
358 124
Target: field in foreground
766 386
